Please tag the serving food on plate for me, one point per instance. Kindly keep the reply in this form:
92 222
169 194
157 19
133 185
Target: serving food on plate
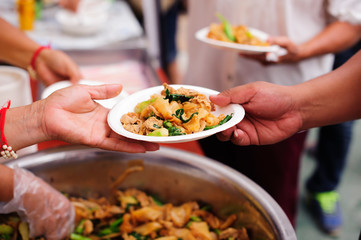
236 34
173 112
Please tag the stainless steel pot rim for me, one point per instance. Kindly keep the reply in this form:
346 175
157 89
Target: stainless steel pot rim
276 214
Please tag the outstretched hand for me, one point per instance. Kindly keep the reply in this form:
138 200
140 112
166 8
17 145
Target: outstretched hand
271 114
72 115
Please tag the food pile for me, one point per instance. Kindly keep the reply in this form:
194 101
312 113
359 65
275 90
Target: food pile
173 112
236 34
134 215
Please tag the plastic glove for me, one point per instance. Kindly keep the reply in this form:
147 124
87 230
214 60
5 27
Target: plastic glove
46 210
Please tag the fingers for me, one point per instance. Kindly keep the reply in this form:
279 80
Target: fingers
131 146
104 91
241 95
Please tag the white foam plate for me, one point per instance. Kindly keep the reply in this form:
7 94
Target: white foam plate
127 105
240 48
108 103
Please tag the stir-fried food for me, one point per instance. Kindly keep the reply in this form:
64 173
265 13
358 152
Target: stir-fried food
236 34
136 215
173 112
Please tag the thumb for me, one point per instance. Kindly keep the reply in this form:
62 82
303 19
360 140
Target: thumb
239 95
104 91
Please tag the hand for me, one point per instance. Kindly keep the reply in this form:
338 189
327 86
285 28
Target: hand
71 115
294 52
271 115
71 5
53 66
46 210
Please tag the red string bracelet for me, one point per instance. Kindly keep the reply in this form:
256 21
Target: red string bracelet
7 151
32 66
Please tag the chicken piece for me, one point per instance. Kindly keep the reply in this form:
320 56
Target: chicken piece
148 228
229 221
212 220
180 215
167 238
126 226
88 227
182 233
147 214
150 125
131 122
233 233
200 230
216 31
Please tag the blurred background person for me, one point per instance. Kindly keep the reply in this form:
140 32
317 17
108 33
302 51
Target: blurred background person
331 153
309 31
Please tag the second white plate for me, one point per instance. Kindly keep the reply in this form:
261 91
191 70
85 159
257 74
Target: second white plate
128 104
202 35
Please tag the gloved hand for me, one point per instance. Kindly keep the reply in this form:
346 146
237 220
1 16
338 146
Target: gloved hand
46 210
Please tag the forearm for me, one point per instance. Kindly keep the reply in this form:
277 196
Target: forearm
336 37
6 183
331 98
15 47
23 125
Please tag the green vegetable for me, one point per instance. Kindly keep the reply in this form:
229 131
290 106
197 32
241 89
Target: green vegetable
6 229
115 225
177 97
105 231
172 131
179 114
157 201
227 27
167 124
5 237
156 126
217 231
80 228
75 236
207 208
142 105
195 219
162 132
223 121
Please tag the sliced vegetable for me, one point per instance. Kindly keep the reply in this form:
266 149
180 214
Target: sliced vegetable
162 132
227 27
142 105
177 97
223 121
6 229
24 230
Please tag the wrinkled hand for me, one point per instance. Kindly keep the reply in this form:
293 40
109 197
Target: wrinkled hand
53 66
293 52
270 114
46 210
71 115
71 5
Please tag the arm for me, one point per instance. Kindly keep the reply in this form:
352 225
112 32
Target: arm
69 115
18 49
336 37
274 112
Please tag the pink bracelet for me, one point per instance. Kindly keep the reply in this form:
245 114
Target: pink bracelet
7 151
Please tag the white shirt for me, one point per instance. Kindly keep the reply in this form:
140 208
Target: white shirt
300 20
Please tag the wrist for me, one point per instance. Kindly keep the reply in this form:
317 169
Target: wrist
23 125
35 59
